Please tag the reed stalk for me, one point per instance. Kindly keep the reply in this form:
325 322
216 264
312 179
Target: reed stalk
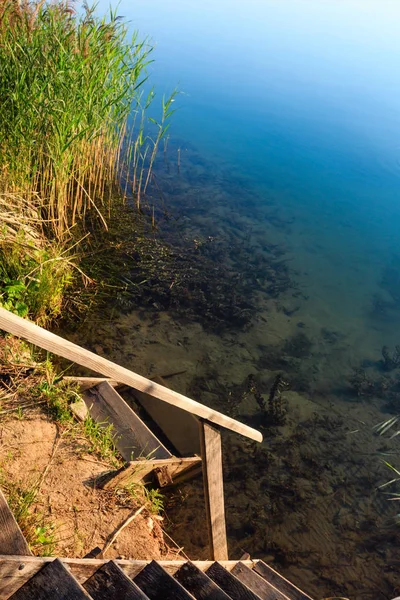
68 85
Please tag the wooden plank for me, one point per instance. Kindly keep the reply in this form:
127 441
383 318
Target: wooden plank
110 583
198 583
157 584
263 589
211 452
230 584
180 427
141 469
62 347
16 570
132 437
53 581
12 540
85 383
280 582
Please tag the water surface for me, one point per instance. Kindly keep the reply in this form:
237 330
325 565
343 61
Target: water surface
289 117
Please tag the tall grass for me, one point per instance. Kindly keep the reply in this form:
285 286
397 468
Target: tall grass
68 83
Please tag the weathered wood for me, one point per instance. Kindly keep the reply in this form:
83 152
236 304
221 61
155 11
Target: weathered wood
157 584
62 347
280 582
16 570
12 540
198 583
132 436
85 383
211 452
53 581
140 470
110 583
261 587
229 583
180 427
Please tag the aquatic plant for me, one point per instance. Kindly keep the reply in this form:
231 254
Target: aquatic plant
390 362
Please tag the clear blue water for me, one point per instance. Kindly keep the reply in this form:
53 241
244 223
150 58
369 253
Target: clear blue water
299 98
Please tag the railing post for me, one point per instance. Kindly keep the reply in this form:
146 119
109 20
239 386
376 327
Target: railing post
211 453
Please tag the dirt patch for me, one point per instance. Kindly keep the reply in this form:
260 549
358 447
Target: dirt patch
71 514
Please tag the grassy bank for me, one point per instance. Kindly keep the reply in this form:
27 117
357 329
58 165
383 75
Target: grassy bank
68 85
44 450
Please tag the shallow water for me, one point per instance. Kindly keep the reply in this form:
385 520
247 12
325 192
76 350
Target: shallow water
289 135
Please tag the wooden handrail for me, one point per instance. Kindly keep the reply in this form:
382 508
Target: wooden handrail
62 347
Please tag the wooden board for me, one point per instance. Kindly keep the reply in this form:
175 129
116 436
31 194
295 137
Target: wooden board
230 584
263 589
198 584
16 570
157 584
52 582
110 583
85 383
180 427
141 469
211 452
11 539
132 437
62 347
276 579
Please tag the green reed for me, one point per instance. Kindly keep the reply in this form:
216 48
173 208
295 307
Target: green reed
68 84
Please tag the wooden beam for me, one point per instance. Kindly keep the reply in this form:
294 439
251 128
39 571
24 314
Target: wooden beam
85 383
140 470
132 437
211 452
11 539
62 347
54 580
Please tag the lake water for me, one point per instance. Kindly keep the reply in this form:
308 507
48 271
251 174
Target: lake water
289 128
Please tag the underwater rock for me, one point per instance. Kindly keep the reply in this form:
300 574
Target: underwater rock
298 346
388 363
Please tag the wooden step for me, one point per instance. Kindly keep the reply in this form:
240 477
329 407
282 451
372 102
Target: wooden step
110 583
230 584
179 426
280 582
166 471
133 438
52 582
12 540
157 584
261 587
198 583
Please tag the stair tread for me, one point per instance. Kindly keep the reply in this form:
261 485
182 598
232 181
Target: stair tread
52 582
132 437
110 583
157 584
261 587
230 584
277 580
199 584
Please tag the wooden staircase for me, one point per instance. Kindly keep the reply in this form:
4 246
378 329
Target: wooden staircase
147 457
188 428
31 578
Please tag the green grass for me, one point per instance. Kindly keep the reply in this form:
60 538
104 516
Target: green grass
102 440
38 532
152 497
